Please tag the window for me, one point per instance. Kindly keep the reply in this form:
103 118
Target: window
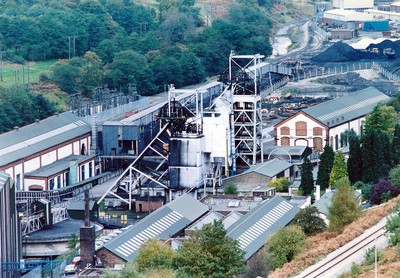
285 130
83 149
90 169
336 142
317 131
18 181
51 184
301 128
318 144
82 172
66 178
285 141
58 181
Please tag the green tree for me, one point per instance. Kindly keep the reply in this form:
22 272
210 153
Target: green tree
344 208
230 188
284 245
393 226
382 118
92 73
394 176
66 75
210 253
325 167
153 254
354 162
339 169
73 241
373 156
396 145
280 184
307 180
309 220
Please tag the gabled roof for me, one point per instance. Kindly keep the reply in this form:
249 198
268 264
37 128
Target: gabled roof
343 109
163 223
253 228
39 136
269 168
292 150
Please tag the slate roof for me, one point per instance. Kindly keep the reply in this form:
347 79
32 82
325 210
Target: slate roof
343 109
162 223
292 150
253 228
269 168
39 136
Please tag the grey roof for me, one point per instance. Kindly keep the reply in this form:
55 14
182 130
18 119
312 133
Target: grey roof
206 219
58 166
163 223
326 200
270 168
253 229
80 205
39 136
347 108
231 218
292 150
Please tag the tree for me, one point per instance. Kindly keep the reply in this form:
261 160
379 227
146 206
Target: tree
307 180
153 254
383 118
344 207
372 156
325 167
66 75
339 169
396 145
210 253
354 162
393 226
73 241
394 176
230 189
383 191
280 184
92 73
309 220
284 245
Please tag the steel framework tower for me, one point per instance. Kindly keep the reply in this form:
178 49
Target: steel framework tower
246 121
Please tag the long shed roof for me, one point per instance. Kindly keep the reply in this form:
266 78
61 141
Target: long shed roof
253 229
269 168
343 109
163 223
39 136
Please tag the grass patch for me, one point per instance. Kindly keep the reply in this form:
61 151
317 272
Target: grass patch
18 74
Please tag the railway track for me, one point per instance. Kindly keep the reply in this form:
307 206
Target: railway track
343 255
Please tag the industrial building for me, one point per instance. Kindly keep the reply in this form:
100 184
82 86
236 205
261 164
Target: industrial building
358 5
10 231
324 123
48 154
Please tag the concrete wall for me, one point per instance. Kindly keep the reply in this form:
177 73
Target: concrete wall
249 179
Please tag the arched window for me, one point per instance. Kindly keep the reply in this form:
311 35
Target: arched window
285 130
317 131
285 141
318 144
301 128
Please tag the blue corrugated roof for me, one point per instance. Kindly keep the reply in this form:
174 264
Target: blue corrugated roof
36 137
163 223
346 108
253 229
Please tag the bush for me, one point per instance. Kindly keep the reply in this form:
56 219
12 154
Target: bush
355 270
383 191
230 189
370 255
309 220
366 191
280 184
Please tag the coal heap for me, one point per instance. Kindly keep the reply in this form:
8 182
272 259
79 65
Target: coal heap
394 45
342 52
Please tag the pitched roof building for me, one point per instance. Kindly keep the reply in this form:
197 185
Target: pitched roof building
324 123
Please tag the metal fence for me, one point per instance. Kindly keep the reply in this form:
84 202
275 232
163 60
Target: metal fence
386 72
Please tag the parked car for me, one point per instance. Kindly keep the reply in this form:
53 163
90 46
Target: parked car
70 270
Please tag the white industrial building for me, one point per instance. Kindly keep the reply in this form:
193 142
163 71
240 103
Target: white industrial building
383 15
324 124
348 19
48 154
359 5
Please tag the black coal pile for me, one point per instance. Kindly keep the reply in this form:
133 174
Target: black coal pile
341 52
385 45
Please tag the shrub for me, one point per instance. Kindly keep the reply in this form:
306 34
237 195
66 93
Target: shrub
370 255
309 220
280 184
383 191
230 189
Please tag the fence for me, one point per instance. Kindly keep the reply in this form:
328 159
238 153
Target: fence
385 72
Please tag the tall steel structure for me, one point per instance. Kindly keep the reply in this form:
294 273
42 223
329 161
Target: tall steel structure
246 121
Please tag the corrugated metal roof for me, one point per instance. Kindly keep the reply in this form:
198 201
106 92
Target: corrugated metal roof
253 229
58 166
231 218
326 200
206 219
292 150
163 223
80 205
343 109
36 137
270 168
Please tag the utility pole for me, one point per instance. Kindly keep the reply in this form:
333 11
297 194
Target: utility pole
69 47
74 45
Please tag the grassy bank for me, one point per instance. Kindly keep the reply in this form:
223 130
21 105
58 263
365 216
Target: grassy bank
21 74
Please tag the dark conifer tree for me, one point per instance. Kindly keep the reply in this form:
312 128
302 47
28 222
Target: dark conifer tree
373 157
307 181
354 163
396 145
325 167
